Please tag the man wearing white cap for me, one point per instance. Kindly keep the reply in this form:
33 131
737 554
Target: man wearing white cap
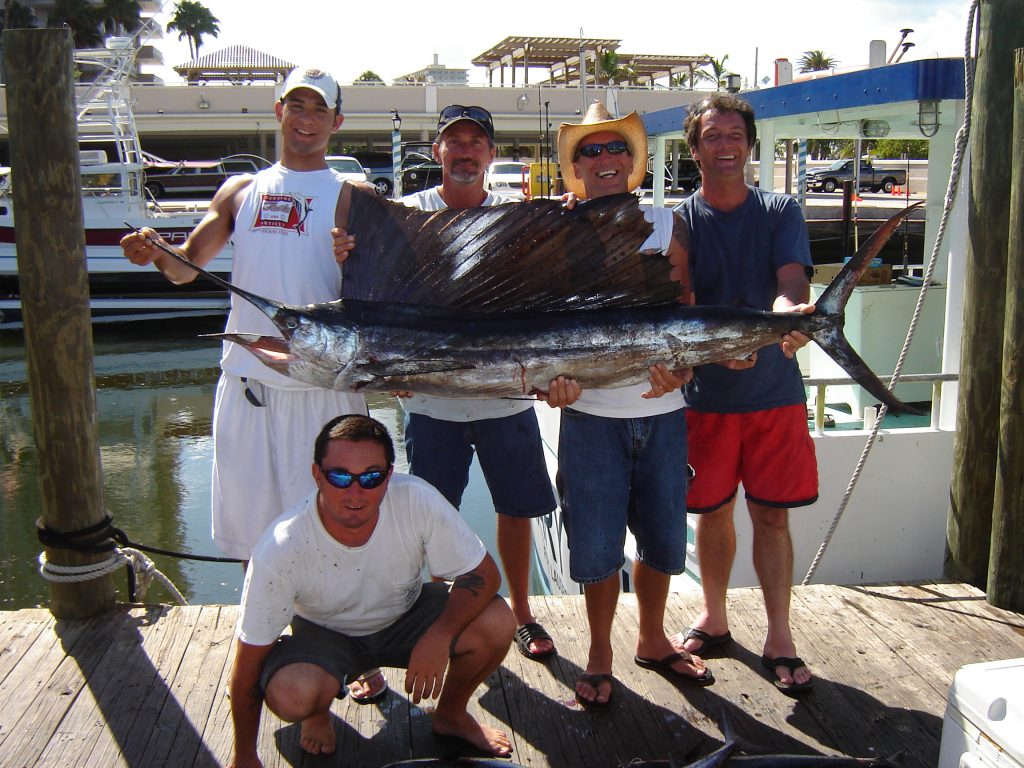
280 221
622 452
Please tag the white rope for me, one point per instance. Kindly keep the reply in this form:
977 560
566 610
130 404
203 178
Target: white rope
145 571
954 182
73 573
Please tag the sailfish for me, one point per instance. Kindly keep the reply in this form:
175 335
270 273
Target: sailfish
498 301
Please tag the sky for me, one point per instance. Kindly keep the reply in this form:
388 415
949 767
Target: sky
395 37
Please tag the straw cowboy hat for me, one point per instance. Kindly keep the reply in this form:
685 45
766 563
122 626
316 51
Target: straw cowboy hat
597 119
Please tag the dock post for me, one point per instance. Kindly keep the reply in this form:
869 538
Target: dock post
1006 569
972 485
50 242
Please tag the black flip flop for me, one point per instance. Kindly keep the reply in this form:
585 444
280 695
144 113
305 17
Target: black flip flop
531 632
708 642
665 668
373 697
792 664
594 681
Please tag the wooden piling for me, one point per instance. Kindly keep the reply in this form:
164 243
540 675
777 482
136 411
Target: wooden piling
1006 569
50 242
972 487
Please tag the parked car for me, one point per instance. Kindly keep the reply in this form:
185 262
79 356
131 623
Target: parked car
378 170
874 179
347 166
689 175
506 177
167 177
419 171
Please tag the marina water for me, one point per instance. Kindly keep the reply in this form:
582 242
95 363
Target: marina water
155 386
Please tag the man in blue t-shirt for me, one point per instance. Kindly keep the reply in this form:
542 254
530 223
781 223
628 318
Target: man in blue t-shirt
747 418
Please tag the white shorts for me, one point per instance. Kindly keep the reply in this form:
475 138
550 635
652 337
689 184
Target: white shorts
262 455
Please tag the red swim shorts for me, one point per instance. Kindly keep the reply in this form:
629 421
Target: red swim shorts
770 452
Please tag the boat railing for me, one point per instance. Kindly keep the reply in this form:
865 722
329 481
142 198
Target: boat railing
820 384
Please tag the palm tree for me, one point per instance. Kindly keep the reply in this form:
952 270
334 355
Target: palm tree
717 73
613 72
369 76
120 16
192 20
81 18
816 61
17 16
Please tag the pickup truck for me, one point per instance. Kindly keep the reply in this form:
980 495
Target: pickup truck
874 179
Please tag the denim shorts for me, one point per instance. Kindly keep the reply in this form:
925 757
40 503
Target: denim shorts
619 473
508 448
345 657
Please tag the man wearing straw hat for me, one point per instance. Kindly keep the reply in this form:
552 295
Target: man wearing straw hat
633 439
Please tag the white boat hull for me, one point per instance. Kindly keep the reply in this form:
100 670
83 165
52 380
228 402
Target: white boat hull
893 529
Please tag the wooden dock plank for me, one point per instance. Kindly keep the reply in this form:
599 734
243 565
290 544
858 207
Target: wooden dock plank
146 686
55 682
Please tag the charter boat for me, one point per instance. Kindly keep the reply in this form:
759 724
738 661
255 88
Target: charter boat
113 193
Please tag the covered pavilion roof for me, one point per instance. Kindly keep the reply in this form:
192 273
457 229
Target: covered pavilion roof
561 57
235 64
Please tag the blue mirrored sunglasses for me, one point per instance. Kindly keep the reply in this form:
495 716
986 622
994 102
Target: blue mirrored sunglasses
593 150
342 478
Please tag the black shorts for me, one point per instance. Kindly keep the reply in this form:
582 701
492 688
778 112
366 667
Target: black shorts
345 657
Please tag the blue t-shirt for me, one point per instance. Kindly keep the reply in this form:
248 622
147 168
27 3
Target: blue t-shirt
734 257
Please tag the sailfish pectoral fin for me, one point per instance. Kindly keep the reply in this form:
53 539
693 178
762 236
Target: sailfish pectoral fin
272 351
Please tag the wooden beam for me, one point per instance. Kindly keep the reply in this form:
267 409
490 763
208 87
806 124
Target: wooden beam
1006 568
50 243
972 486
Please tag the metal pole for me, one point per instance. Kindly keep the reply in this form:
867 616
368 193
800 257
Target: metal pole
547 151
583 75
396 155
801 172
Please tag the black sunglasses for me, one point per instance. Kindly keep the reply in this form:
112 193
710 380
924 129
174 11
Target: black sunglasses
456 111
342 478
593 150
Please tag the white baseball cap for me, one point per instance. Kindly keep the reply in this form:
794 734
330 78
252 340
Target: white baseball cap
318 80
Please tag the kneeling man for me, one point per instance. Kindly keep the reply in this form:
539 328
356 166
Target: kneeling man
345 568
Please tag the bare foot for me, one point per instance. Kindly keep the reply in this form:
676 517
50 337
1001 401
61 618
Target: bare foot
481 736
317 735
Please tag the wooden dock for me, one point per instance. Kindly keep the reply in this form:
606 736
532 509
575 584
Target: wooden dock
145 686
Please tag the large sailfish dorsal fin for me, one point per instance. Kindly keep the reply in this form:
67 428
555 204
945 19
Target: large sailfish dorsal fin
535 256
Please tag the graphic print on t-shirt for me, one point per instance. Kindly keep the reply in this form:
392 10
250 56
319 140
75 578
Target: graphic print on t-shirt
283 211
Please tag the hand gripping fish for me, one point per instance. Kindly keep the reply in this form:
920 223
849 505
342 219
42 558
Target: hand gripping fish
498 301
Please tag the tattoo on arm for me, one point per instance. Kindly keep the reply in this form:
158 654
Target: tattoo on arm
471 581
679 252
680 232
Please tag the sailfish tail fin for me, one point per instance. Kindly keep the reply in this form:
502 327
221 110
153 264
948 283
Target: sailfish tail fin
831 306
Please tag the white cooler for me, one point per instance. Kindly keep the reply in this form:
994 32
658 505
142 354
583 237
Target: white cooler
984 723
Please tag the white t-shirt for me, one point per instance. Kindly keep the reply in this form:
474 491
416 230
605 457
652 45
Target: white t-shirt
283 250
456 408
299 568
626 402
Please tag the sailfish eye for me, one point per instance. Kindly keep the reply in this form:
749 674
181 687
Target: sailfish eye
291 323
